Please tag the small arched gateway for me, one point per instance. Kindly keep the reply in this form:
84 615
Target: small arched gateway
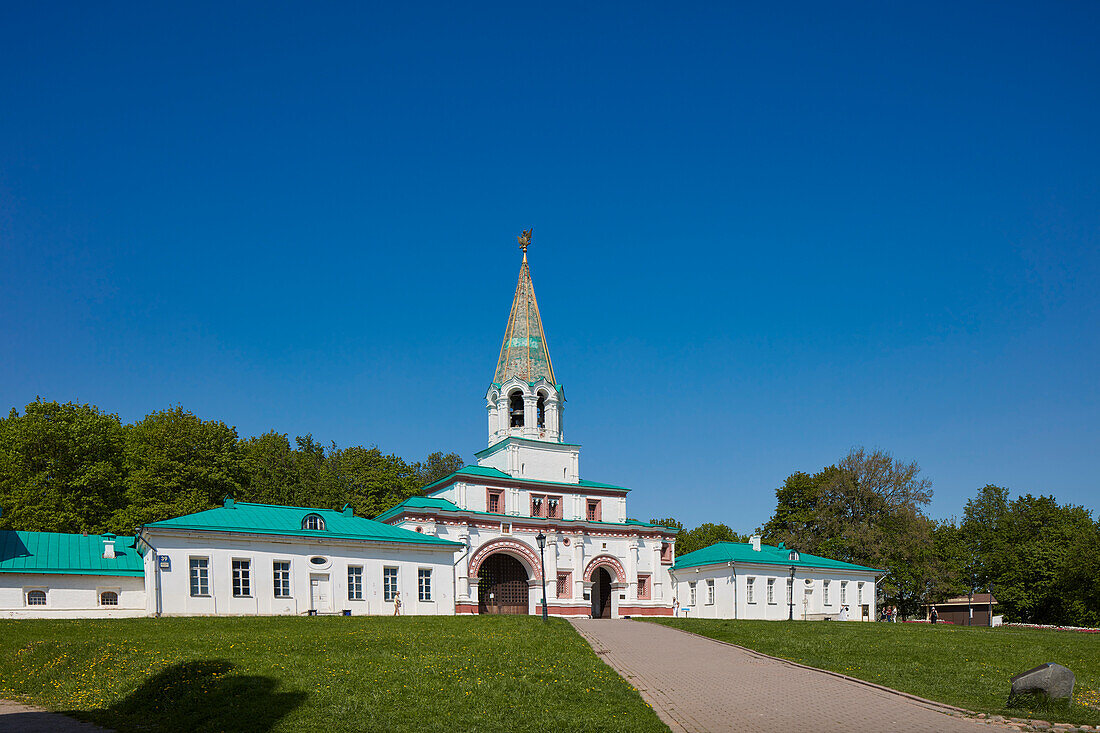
504 569
601 573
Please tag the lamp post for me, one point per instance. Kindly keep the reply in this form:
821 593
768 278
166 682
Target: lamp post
541 539
793 557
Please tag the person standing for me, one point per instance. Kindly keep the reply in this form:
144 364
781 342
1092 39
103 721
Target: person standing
397 603
935 615
843 615
675 608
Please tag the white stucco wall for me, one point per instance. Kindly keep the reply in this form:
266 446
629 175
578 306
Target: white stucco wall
262 552
731 597
71 596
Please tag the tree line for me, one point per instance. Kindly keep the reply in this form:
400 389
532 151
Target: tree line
67 467
1041 559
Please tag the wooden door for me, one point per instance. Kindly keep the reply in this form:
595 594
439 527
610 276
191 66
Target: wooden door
502 586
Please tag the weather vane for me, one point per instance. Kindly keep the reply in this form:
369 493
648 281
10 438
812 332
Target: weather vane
525 241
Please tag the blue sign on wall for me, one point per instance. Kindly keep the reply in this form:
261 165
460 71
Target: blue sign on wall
165 562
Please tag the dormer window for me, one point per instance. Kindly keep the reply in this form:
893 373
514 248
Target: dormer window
313 521
515 409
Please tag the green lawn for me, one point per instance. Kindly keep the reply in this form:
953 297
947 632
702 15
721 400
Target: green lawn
329 674
966 667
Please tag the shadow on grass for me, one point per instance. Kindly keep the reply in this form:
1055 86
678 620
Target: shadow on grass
200 696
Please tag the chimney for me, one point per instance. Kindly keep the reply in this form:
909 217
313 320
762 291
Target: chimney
755 540
108 546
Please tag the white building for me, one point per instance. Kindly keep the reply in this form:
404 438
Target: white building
596 560
57 575
748 580
244 559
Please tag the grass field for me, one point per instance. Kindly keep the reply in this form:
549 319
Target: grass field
966 667
330 674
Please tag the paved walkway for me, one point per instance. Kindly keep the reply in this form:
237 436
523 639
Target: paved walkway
698 684
16 718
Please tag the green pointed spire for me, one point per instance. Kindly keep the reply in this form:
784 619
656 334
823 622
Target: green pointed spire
524 353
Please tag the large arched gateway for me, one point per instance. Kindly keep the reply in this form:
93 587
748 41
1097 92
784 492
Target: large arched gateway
502 585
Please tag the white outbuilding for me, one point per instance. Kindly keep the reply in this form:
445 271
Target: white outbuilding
750 580
245 559
62 575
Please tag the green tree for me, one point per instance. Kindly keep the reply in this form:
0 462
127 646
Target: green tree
705 535
176 464
60 468
436 466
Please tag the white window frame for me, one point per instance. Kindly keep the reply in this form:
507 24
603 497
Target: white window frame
36 589
99 597
750 589
825 593
859 593
241 576
279 582
388 592
843 592
691 592
771 591
203 577
421 586
710 591
314 519
355 582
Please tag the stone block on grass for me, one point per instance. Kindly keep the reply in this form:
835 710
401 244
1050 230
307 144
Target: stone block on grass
1048 682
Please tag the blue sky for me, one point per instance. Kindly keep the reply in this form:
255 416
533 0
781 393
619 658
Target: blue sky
760 238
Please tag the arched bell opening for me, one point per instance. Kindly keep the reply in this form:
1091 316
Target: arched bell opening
515 409
541 412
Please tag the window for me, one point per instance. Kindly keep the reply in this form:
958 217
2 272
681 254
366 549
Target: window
771 590
790 591
496 501
593 510
750 590
553 507
389 584
505 528
424 583
36 598
200 576
540 412
108 598
843 592
281 573
859 594
666 553
242 578
691 593
565 585
825 592
643 587
355 583
313 521
537 502
710 592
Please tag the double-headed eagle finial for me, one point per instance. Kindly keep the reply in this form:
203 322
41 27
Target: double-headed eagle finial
525 241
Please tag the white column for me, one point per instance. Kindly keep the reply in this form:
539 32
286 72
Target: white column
530 416
632 569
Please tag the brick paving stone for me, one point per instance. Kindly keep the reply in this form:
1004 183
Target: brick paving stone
697 684
18 718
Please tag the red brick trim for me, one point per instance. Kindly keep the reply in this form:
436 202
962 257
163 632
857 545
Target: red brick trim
644 611
605 561
510 545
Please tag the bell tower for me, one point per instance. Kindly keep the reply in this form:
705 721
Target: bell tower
525 402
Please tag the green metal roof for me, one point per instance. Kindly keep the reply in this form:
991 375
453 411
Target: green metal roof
239 516
738 552
486 472
442 505
524 353
66 554
501 444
